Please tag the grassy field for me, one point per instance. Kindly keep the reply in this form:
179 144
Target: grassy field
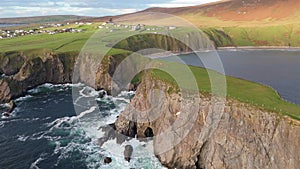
59 42
72 42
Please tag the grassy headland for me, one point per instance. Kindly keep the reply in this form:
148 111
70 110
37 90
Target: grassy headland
261 96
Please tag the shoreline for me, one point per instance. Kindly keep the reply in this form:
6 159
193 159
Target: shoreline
257 48
231 48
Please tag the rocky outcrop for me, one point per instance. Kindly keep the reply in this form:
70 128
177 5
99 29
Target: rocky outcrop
48 68
53 68
10 109
242 137
107 160
11 62
128 152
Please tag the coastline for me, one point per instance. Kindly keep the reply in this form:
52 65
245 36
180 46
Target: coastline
231 48
258 48
168 54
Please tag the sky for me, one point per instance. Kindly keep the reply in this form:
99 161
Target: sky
22 8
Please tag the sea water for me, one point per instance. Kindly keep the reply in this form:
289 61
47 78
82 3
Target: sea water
46 132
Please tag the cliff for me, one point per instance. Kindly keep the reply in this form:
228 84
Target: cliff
25 71
244 136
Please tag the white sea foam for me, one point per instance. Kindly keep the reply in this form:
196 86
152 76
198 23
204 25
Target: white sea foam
89 92
84 127
5 105
34 165
52 86
33 91
22 138
23 98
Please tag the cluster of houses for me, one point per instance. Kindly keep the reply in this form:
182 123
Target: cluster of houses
20 32
139 27
111 26
72 30
15 33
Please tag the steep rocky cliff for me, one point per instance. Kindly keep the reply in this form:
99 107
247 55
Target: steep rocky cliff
237 135
23 72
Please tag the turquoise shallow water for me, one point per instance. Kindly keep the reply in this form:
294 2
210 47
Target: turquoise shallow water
46 132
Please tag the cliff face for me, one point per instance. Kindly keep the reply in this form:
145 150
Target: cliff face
245 136
23 73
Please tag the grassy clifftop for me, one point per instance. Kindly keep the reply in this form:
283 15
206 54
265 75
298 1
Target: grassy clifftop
263 97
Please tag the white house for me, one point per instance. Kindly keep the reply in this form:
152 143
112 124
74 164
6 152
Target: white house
172 27
136 27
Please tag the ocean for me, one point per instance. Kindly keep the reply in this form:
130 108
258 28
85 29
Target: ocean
46 132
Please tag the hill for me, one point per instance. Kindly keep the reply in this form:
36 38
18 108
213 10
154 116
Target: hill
229 13
240 10
231 22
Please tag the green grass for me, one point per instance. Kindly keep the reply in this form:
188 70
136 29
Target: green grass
283 35
258 95
66 42
58 42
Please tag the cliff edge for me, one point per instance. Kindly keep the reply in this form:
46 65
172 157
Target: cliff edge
244 136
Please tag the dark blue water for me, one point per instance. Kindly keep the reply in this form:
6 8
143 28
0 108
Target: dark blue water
46 132
279 69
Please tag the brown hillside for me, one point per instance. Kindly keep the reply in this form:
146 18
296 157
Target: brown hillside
240 10
231 13
249 10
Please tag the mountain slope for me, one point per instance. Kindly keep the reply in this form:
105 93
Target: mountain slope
228 13
240 10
